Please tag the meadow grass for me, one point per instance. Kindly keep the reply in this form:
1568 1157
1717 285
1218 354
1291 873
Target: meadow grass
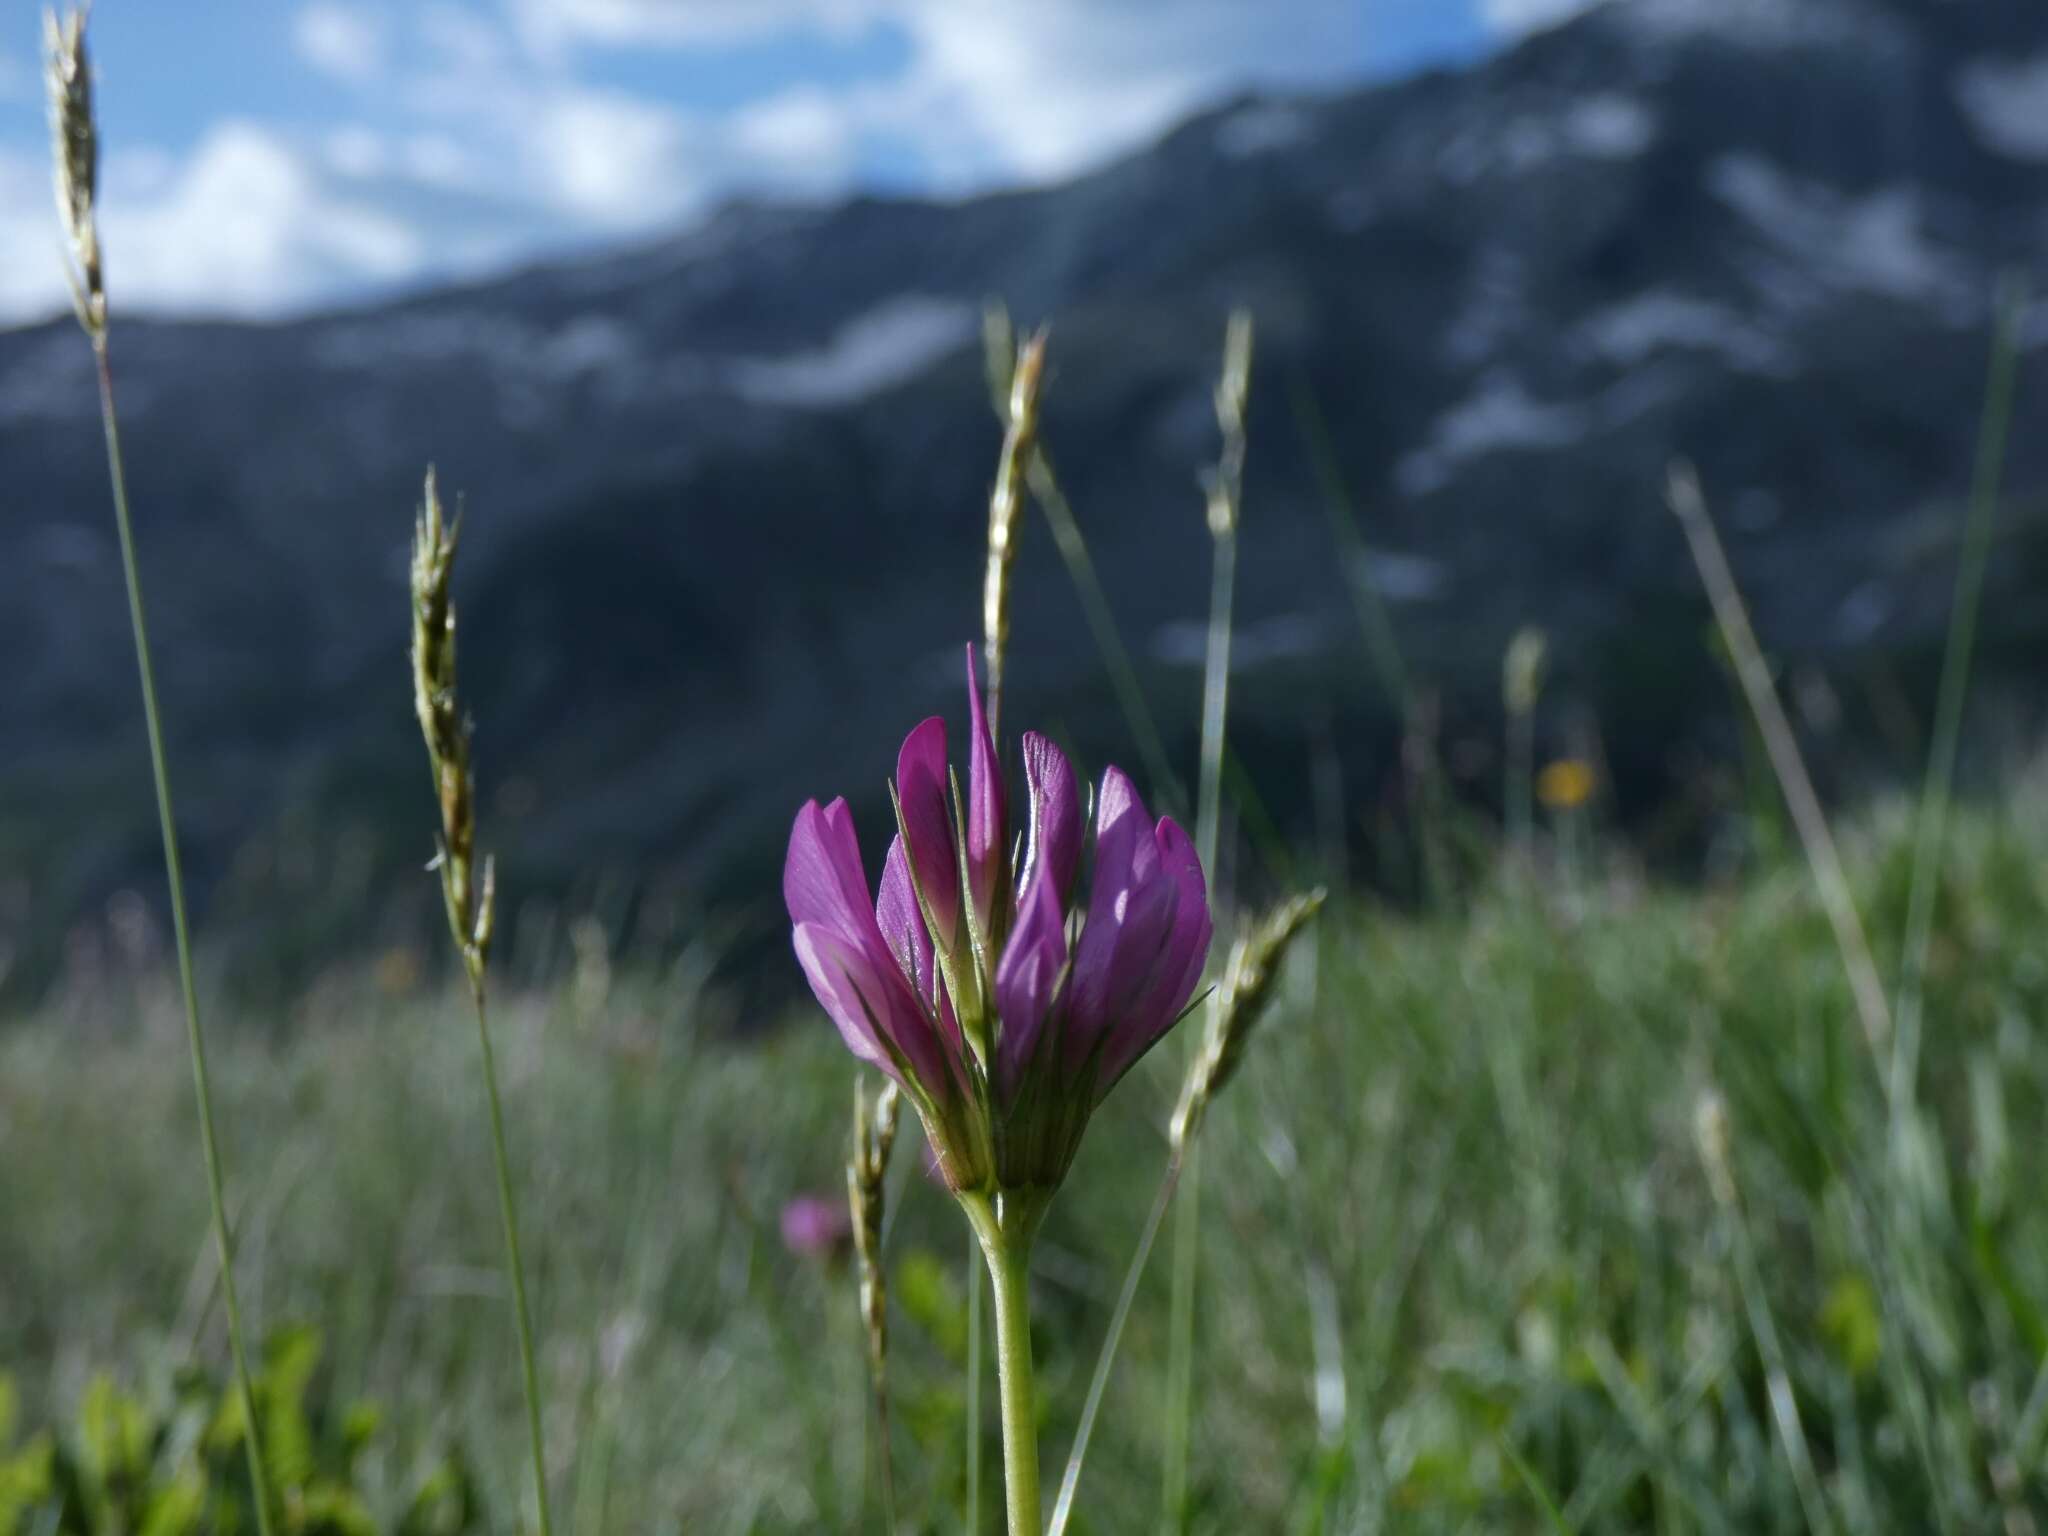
1463 1266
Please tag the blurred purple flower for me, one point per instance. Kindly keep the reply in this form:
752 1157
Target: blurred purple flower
961 984
816 1227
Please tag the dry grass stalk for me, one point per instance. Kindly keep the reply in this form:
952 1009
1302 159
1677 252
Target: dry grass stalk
74 130
874 1135
1242 998
1808 818
470 901
1005 512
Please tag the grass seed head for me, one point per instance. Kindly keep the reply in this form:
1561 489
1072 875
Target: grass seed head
76 141
1521 671
874 1135
1006 506
1243 996
471 901
1233 395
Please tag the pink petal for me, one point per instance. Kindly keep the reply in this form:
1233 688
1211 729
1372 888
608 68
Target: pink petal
822 878
1055 815
987 833
921 786
902 924
1028 976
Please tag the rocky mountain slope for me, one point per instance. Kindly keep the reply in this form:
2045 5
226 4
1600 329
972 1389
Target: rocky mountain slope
727 489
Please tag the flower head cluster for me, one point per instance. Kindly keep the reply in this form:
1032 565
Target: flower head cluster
1004 1005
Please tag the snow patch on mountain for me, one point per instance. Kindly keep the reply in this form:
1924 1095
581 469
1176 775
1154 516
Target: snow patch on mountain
885 346
1761 23
1260 129
1874 243
1665 319
1606 125
1499 414
2006 103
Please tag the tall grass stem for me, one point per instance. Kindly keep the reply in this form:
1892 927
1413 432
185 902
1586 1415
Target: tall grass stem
508 1213
1931 831
195 1035
1070 1481
1808 819
1225 496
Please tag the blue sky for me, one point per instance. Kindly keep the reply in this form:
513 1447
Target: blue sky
264 156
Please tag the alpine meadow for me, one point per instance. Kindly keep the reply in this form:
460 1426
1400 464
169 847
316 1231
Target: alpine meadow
901 768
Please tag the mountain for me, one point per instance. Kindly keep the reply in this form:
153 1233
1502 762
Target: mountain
727 490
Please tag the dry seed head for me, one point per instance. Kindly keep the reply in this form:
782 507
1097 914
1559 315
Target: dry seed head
1005 509
1233 388
1233 394
874 1134
471 903
1242 997
76 141
1521 671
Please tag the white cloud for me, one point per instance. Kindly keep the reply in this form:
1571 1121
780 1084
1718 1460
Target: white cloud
609 157
357 152
244 224
1529 15
345 42
490 136
995 89
804 136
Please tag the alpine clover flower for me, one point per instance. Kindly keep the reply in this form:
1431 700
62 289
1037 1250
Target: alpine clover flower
1004 1006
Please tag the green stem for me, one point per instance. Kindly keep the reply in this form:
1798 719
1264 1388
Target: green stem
1215 699
514 1268
1180 1350
1180 1357
1932 831
1063 1506
201 1083
1006 1226
973 1392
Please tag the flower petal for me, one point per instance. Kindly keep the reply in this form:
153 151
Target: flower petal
902 924
921 787
822 878
987 834
1028 976
1130 914
845 986
871 1002
1183 951
1055 816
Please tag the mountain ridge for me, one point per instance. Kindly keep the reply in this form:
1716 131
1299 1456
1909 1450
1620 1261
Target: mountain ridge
728 489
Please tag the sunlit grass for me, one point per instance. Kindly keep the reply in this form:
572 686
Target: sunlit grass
1456 1207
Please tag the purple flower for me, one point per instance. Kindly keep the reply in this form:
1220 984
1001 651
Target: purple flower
814 1227
961 983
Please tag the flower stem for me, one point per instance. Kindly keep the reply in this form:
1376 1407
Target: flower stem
259 1481
517 1270
1006 1225
973 1393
